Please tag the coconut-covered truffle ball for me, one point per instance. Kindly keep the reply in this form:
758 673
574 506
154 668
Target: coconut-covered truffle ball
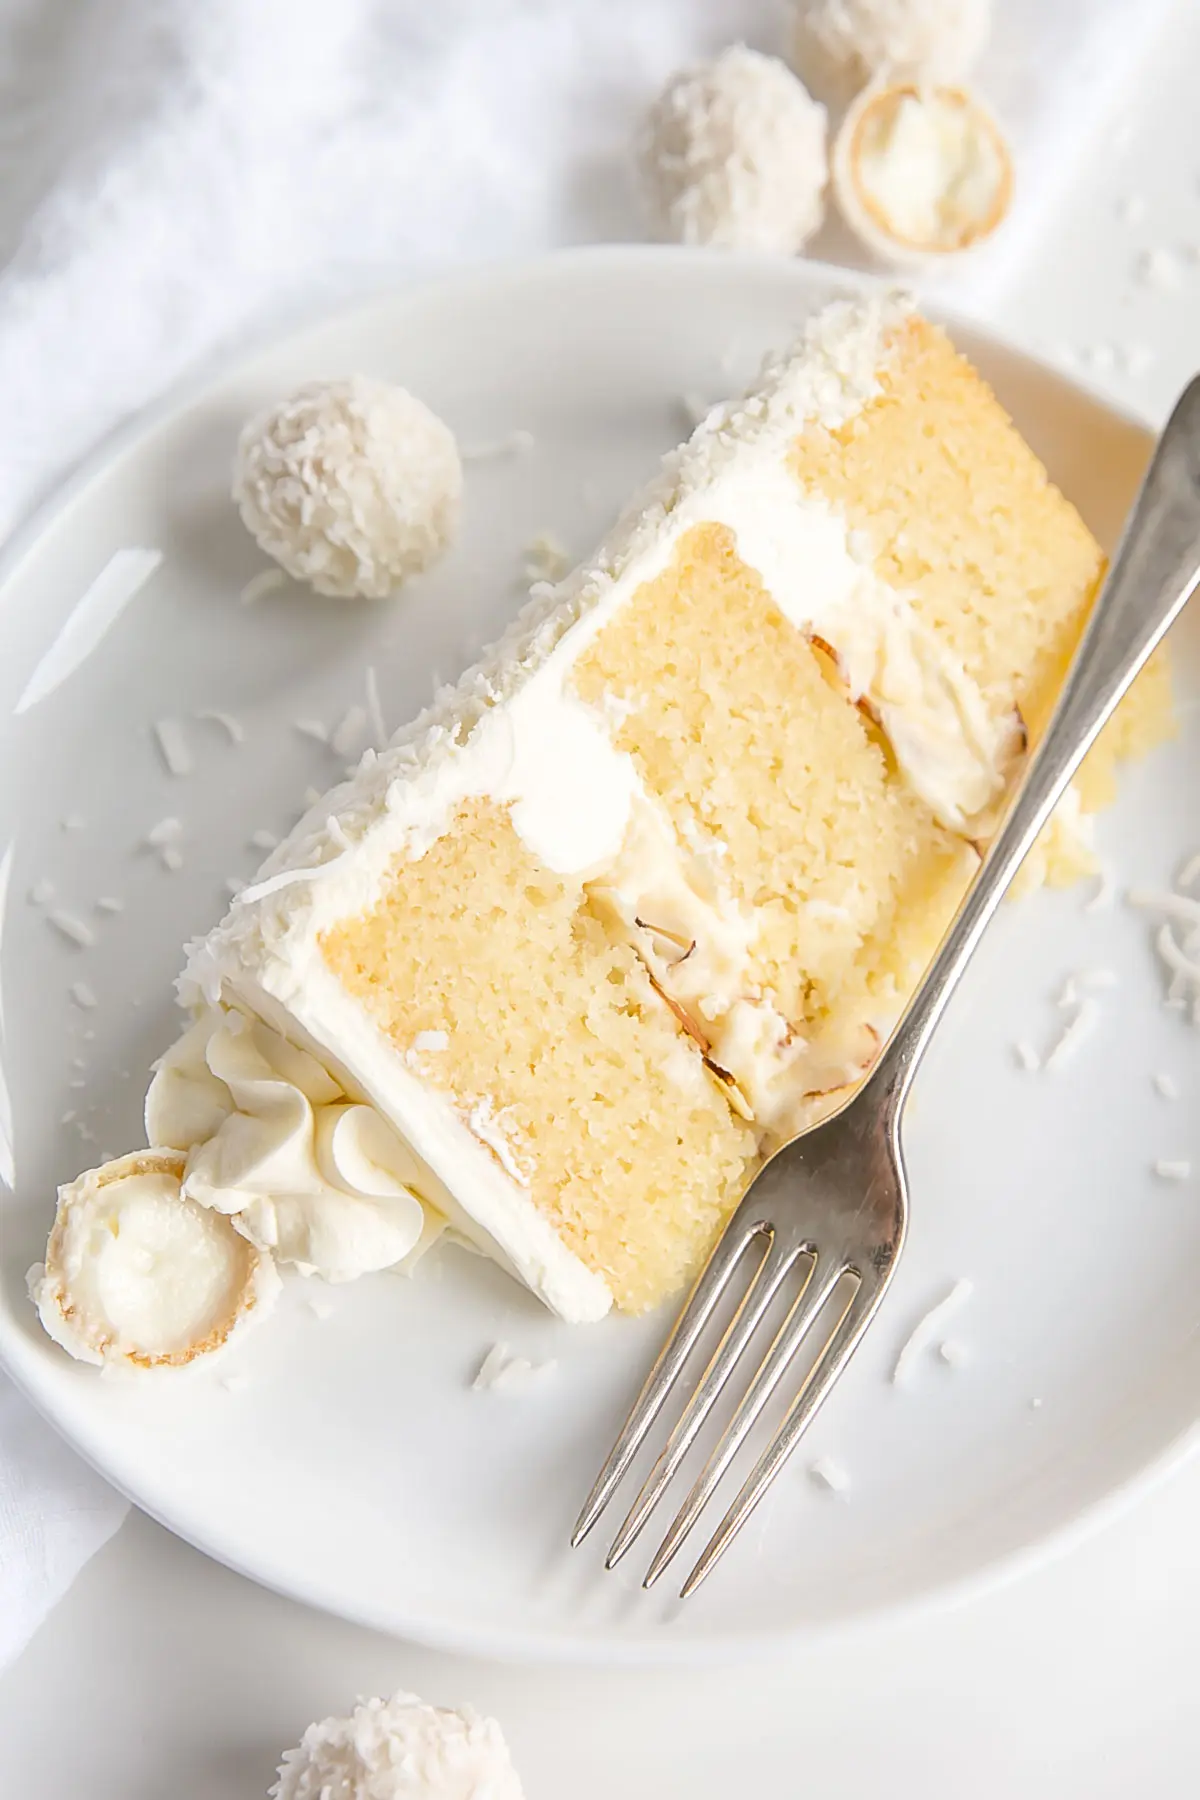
352 486
733 154
399 1749
840 45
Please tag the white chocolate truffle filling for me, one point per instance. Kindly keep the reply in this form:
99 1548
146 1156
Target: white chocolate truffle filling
921 172
137 1276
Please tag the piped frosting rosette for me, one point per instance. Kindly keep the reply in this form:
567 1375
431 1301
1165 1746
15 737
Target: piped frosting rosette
305 1173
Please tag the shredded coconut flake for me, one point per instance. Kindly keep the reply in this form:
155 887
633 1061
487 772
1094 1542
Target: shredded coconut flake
501 1372
43 891
263 840
1076 1030
109 903
430 1040
173 746
83 994
1027 1057
1172 1169
349 735
167 831
233 728
265 582
320 1309
826 1473
546 559
379 736
926 1330
76 930
312 728
954 1354
1167 1086
172 859
72 822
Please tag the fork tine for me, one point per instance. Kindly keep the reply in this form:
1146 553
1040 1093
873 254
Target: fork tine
835 1353
808 1303
745 1224
741 1328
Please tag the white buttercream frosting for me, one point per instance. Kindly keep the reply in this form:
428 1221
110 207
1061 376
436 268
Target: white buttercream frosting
273 1141
137 1276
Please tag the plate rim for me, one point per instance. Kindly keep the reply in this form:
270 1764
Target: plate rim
526 1643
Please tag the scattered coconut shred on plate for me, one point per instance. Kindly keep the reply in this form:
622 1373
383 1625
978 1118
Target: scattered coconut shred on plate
503 1372
1177 939
927 1331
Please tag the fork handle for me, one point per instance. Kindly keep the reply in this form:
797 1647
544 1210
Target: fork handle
1155 571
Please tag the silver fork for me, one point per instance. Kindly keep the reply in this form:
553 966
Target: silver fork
830 1208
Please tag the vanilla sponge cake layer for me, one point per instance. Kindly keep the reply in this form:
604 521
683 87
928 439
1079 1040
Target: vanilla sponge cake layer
647 892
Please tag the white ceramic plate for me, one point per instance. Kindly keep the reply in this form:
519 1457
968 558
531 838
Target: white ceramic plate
352 1465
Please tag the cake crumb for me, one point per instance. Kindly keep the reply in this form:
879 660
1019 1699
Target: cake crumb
430 1040
173 746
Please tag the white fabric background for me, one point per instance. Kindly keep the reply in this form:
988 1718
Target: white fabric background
175 173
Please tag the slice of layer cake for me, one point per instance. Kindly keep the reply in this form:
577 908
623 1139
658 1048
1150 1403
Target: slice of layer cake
646 891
